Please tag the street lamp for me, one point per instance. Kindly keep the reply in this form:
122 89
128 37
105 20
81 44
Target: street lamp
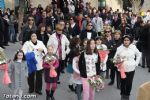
102 3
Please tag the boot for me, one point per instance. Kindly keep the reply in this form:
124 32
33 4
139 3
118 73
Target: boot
122 97
52 95
47 95
71 88
126 97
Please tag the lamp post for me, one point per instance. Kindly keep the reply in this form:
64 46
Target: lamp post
102 3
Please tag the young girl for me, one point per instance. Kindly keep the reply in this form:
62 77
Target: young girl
50 62
83 45
76 75
127 53
74 45
18 72
102 47
89 63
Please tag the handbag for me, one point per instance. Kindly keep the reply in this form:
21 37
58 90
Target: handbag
52 73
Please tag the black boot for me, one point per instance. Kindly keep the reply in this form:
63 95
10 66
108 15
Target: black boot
126 97
71 88
111 83
47 95
52 95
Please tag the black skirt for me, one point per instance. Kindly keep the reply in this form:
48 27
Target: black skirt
49 79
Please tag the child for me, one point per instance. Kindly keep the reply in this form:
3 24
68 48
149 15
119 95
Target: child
50 62
104 56
18 72
74 45
89 62
83 45
76 75
102 47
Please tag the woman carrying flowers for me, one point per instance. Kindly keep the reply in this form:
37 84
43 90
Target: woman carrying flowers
128 57
89 62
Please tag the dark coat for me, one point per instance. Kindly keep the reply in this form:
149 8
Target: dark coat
83 35
43 37
26 32
82 66
75 30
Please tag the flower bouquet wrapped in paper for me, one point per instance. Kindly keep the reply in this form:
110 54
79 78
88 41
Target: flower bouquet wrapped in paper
103 54
118 62
95 81
4 66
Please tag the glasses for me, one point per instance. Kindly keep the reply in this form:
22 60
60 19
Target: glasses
71 19
107 31
30 19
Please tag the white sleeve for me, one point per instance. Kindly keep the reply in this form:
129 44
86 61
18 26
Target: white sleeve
25 47
74 65
67 45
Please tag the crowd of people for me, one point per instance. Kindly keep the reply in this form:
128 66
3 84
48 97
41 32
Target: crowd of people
71 37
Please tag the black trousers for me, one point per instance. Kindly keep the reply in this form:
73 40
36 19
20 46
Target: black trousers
1 39
35 81
60 68
114 72
126 84
148 59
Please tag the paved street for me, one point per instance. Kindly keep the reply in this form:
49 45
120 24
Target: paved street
63 93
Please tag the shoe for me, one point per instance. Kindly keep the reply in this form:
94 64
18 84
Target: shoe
52 95
31 91
39 92
122 97
111 83
6 45
149 70
62 72
2 47
47 95
126 97
58 82
143 66
52 98
71 88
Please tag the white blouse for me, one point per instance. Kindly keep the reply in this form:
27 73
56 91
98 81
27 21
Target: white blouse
90 61
130 56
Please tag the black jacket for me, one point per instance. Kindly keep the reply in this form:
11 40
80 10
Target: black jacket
26 32
82 66
83 35
43 37
75 30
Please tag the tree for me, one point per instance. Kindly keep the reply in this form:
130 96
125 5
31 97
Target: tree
136 5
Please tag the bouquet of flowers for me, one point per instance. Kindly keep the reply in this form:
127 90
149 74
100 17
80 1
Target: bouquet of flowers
103 54
51 59
95 81
4 66
118 62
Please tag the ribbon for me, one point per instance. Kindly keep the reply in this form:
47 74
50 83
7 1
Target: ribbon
6 79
